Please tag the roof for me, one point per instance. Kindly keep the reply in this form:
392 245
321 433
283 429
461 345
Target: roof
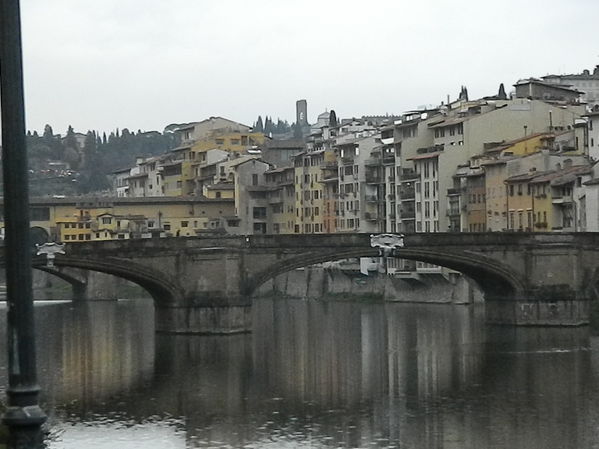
546 84
242 160
283 144
555 177
425 156
138 175
279 170
117 201
526 176
221 186
592 182
121 170
448 122
563 176
181 148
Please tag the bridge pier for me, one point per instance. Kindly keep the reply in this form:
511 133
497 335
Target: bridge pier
538 311
212 315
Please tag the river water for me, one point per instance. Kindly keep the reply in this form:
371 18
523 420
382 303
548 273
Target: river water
314 375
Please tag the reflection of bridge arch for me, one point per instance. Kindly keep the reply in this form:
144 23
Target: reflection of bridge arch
491 275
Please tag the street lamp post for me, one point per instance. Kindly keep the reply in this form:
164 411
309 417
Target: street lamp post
23 416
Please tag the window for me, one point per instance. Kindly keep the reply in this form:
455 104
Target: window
259 212
184 224
167 227
254 179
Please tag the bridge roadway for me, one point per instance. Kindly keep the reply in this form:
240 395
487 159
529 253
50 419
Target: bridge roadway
205 284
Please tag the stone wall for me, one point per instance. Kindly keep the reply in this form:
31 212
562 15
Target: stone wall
316 282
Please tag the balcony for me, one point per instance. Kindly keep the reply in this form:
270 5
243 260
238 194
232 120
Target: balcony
389 160
371 216
407 194
373 178
408 175
452 192
541 224
407 212
562 200
275 199
372 198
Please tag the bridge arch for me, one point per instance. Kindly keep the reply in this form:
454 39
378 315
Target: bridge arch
491 275
163 290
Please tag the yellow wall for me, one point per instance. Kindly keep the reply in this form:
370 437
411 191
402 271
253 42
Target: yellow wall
236 142
68 221
527 146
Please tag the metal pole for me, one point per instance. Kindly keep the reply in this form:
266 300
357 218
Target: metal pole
23 416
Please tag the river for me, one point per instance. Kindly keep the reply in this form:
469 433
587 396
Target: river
314 374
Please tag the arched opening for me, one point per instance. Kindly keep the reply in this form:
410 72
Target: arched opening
162 290
491 276
38 236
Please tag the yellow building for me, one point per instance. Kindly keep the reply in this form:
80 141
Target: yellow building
236 142
523 146
221 190
309 200
85 219
281 197
529 202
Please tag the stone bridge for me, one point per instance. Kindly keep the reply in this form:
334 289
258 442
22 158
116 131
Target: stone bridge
204 285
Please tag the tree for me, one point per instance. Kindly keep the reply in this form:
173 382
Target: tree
70 141
48 133
259 126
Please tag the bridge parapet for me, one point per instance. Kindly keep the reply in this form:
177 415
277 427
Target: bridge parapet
205 284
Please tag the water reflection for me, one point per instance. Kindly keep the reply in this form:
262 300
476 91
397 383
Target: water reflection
316 374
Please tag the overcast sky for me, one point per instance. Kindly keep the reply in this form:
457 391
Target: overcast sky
142 64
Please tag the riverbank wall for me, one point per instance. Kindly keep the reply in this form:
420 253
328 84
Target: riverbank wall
323 283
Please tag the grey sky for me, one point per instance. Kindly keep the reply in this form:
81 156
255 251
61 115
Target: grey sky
139 64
